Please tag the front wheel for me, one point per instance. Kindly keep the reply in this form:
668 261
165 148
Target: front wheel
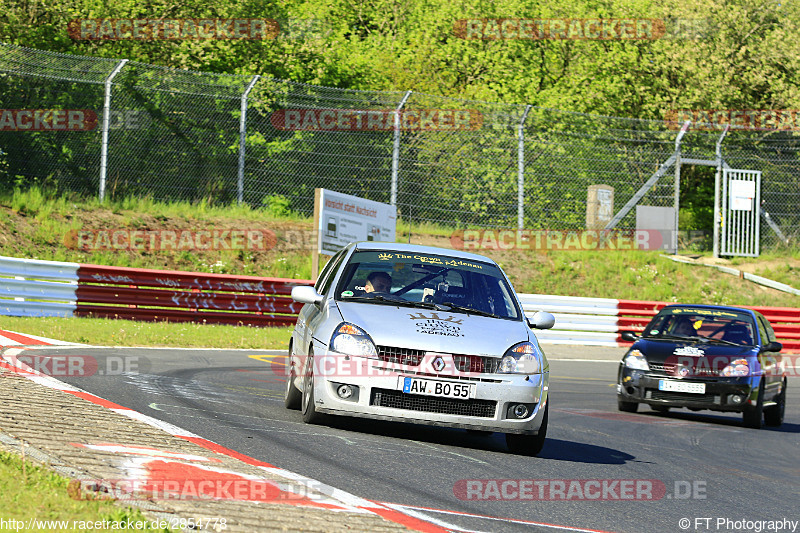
291 395
753 415
627 407
529 445
310 414
773 415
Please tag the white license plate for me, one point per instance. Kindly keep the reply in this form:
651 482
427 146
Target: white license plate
681 386
445 389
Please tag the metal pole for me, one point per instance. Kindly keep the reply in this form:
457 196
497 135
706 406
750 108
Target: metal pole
242 138
106 121
521 170
396 150
717 178
677 197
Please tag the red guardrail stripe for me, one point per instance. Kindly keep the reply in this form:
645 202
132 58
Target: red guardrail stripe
173 279
106 294
181 315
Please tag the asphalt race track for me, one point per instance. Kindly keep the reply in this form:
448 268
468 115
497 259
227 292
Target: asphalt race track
600 470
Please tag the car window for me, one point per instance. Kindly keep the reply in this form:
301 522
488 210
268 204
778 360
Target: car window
329 272
429 279
766 331
713 324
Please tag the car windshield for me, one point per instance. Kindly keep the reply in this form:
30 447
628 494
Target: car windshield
428 281
722 325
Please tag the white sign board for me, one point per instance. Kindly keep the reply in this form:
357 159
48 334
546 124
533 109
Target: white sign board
742 194
344 219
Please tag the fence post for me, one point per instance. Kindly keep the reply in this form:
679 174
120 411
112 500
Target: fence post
717 181
677 197
242 138
106 121
396 150
521 170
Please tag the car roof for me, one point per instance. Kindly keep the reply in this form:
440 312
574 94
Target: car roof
418 248
706 306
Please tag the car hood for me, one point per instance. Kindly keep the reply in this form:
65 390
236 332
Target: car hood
663 351
436 331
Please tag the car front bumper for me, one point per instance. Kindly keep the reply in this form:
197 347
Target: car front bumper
376 393
721 394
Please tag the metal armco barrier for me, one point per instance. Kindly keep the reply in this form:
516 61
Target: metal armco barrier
49 288
599 321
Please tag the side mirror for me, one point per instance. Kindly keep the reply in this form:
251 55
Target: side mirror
542 320
629 336
306 295
772 347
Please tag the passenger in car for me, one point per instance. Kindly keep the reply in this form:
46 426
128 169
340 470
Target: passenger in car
378 281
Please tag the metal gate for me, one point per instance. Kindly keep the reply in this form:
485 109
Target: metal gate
741 204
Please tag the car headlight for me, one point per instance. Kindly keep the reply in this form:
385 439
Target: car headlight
352 340
737 369
635 360
522 358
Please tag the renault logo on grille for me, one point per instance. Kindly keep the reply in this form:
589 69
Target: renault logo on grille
438 363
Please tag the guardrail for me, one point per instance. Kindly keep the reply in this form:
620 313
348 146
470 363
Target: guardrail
49 288
600 321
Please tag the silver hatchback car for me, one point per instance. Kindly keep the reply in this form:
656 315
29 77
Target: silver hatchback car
422 335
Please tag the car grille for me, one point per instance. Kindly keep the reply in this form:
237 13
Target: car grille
403 356
464 363
429 404
662 368
652 394
669 370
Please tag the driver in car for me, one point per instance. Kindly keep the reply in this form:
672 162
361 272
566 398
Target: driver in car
378 281
684 328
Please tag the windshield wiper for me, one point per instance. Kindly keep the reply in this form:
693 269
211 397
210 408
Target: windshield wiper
693 338
378 299
468 310
711 339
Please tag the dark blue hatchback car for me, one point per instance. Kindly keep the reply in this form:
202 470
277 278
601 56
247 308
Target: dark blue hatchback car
705 357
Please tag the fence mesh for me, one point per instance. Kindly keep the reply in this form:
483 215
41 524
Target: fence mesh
176 134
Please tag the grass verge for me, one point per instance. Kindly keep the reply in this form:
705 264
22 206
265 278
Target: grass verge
37 499
109 332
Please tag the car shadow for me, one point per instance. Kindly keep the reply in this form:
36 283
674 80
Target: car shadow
554 449
728 420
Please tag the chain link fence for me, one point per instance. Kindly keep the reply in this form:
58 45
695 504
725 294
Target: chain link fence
180 135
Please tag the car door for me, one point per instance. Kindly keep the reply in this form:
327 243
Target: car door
310 315
771 362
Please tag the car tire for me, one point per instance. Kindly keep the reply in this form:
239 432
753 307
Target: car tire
753 415
292 396
773 415
660 408
627 407
310 414
529 445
